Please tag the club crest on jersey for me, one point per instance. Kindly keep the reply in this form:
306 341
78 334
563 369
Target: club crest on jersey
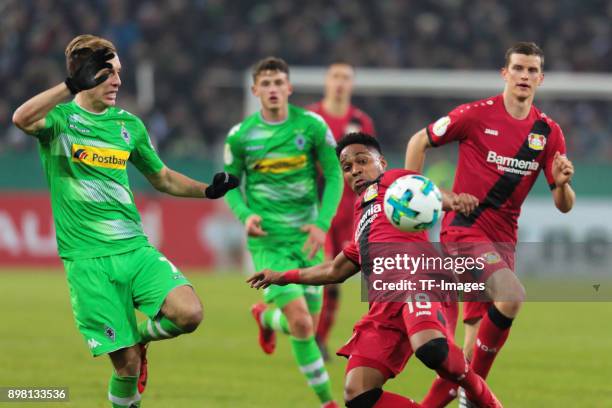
125 134
371 193
110 332
491 257
536 141
300 141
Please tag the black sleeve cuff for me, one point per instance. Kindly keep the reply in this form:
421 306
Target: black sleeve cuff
431 142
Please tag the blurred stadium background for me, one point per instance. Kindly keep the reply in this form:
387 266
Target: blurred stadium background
184 74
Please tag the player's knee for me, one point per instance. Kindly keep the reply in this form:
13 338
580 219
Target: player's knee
301 325
191 317
126 361
510 309
357 398
433 353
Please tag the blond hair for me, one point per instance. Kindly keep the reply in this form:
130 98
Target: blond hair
81 47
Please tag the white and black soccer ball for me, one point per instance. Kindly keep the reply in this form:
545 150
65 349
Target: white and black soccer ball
413 203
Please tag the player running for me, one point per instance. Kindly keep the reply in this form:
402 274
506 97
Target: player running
278 149
342 117
385 338
504 142
111 268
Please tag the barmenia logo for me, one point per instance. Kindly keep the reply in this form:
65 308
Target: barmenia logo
512 164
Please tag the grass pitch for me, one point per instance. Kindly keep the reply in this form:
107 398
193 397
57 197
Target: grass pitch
558 354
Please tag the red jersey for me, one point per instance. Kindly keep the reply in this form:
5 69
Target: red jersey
371 226
355 120
500 158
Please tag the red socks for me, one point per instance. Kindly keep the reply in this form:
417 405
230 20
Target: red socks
492 334
441 393
391 400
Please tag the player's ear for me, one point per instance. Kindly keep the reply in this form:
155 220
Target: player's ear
541 78
290 87
383 163
254 90
504 73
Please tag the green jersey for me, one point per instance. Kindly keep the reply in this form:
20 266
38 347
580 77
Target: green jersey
279 163
84 157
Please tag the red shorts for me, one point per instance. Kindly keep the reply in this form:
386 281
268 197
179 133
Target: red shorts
381 338
497 256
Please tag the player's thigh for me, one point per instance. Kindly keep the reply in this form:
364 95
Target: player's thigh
102 304
312 294
182 304
361 377
375 345
280 259
153 279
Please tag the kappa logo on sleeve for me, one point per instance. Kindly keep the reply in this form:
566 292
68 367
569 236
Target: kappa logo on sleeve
100 156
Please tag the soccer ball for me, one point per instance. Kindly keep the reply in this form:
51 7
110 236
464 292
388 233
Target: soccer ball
413 203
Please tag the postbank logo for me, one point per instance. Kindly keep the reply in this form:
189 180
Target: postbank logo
100 156
280 165
536 141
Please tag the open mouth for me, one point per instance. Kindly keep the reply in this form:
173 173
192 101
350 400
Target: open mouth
359 183
523 86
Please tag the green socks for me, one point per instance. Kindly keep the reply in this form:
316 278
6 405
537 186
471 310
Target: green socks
159 328
310 362
123 392
275 320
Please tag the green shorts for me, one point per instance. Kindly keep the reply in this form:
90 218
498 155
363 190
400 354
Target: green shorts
105 292
283 258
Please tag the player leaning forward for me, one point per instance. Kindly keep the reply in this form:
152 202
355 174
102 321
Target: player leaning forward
504 143
111 267
392 329
277 149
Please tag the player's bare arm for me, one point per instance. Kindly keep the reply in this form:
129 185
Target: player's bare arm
463 203
415 159
563 194
336 271
415 152
177 184
30 117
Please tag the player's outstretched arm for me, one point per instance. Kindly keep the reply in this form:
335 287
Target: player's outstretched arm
335 271
563 194
415 152
463 203
177 184
30 117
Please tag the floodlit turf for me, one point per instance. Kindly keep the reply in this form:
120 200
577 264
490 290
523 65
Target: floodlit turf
558 355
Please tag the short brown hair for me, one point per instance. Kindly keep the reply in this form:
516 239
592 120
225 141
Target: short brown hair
525 48
270 64
81 47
